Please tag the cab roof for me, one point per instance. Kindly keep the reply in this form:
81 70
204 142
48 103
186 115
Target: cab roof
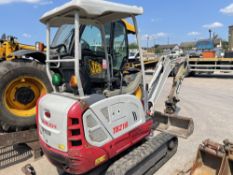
101 10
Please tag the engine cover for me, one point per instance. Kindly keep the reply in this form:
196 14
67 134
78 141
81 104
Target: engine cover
111 118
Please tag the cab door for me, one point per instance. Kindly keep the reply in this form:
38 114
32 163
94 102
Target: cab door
119 49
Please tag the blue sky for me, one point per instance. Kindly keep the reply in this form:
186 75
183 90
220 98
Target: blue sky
164 21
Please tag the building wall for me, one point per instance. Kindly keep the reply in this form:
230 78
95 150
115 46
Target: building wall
231 38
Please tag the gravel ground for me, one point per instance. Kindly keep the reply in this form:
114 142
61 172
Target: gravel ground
208 100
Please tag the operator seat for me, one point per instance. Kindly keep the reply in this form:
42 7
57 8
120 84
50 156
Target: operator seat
133 80
88 81
67 71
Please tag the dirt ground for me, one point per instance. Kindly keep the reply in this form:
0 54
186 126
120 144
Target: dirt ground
207 99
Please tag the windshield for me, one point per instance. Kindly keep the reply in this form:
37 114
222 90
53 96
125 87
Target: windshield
63 36
131 54
91 39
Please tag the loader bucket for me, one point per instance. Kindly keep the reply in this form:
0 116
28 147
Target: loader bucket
209 161
176 125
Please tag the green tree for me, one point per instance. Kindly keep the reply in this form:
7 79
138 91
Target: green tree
133 46
225 45
157 49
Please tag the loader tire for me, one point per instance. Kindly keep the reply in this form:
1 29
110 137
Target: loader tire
21 84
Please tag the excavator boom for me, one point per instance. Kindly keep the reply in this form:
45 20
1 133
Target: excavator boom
169 122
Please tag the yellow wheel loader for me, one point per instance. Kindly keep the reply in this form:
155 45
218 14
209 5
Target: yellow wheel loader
23 81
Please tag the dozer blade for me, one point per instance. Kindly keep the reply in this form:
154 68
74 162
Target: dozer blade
210 159
176 125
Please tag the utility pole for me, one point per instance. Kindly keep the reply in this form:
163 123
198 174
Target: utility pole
154 40
148 38
210 32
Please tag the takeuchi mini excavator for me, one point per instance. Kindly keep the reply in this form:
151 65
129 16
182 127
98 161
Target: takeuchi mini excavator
100 117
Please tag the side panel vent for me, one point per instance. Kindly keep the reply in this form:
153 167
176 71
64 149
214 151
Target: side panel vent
91 122
98 135
95 133
76 143
75 132
75 121
75 128
105 113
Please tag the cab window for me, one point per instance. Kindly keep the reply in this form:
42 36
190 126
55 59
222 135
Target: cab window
91 39
120 49
93 52
64 36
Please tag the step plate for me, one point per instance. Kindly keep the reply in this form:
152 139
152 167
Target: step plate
14 154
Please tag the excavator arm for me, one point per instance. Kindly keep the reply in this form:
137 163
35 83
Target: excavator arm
169 122
173 97
164 68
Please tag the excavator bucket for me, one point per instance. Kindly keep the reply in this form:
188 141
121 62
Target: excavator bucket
228 165
210 159
176 125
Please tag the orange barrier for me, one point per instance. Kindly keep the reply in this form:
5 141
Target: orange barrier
208 54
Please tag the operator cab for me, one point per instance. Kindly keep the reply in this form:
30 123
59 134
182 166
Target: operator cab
93 63
89 52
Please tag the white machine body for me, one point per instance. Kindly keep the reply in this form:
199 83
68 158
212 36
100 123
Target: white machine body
103 121
53 127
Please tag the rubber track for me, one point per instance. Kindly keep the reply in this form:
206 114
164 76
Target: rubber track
14 154
137 162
